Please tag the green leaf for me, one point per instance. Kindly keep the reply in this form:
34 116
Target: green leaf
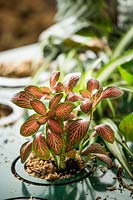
128 77
123 43
126 127
126 88
40 147
105 72
25 150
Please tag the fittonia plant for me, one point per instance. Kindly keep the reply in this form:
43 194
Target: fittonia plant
65 115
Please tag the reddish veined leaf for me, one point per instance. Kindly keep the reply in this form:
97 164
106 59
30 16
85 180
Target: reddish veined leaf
38 106
73 97
71 81
51 114
40 147
47 97
55 126
42 119
34 116
86 105
54 79
72 153
34 90
94 148
45 90
66 125
111 92
85 93
64 109
54 142
76 132
92 84
70 117
59 87
25 151
29 127
22 99
55 100
105 132
104 158
97 96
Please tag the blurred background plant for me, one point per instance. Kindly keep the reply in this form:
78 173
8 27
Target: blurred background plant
21 22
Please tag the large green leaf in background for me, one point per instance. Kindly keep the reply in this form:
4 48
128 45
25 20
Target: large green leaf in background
128 77
105 72
126 127
116 148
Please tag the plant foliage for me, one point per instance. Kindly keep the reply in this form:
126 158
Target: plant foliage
66 118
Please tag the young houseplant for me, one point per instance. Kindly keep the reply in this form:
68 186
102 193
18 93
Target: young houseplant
64 114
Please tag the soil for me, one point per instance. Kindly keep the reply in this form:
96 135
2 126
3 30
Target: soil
48 170
5 110
19 69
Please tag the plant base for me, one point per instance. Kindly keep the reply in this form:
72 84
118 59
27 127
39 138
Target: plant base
49 171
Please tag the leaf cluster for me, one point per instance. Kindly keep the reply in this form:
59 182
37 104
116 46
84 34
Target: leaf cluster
66 116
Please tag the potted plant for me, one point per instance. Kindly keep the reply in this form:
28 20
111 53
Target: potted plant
63 115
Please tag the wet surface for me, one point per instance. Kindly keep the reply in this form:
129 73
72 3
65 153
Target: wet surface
103 184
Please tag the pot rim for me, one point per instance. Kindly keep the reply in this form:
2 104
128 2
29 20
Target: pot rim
17 169
13 116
